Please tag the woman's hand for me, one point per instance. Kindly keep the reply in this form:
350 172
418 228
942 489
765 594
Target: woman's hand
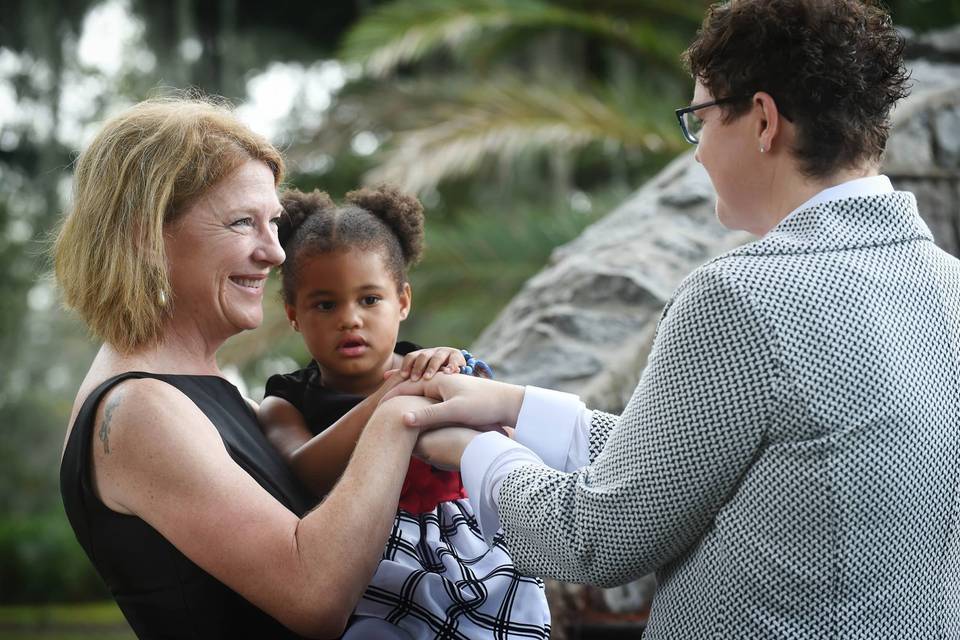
465 400
425 363
443 448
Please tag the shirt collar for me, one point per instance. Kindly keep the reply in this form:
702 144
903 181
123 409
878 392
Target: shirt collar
841 222
858 187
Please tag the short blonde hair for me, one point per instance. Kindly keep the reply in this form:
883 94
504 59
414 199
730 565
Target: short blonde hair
140 172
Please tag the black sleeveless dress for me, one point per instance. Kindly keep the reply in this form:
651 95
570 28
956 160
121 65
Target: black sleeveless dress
160 591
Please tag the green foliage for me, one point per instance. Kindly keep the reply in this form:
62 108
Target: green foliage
924 15
406 31
473 268
91 613
18 276
41 561
508 117
100 620
566 83
30 450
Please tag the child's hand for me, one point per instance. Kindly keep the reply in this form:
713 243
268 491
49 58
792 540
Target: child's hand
427 362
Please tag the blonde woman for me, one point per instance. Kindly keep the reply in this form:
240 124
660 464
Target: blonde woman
192 519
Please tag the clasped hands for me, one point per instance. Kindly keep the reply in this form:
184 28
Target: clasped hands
450 410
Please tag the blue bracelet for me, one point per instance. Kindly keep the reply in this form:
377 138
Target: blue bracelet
475 366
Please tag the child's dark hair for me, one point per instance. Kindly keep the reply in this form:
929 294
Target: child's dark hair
382 219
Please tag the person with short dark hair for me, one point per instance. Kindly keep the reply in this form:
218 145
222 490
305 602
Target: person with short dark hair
788 461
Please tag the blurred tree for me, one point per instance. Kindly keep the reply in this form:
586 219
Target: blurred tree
923 15
31 156
217 44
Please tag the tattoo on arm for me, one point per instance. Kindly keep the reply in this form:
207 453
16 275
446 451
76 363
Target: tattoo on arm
112 404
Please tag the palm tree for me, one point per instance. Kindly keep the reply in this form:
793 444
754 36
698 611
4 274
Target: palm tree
568 77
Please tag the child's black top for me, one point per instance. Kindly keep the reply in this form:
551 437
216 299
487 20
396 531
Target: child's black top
321 406
423 488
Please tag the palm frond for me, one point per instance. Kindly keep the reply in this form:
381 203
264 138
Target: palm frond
406 30
690 11
505 118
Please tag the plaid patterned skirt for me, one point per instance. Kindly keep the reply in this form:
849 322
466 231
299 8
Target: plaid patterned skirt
438 579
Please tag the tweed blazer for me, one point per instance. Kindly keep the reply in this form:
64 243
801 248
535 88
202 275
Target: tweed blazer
789 460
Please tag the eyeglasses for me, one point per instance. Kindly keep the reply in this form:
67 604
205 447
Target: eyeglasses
691 124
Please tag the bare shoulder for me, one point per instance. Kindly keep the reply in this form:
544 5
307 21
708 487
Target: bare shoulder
142 427
143 407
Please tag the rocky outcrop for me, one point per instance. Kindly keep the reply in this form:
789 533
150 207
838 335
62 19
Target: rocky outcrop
923 153
586 321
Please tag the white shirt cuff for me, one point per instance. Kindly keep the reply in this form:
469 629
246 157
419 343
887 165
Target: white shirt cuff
580 443
547 424
486 461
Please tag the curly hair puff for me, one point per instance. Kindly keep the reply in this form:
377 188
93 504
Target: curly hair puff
834 67
381 219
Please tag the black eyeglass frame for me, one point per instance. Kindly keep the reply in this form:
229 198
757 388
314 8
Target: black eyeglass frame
689 137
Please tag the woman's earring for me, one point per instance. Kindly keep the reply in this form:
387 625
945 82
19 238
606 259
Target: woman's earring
296 327
763 149
163 298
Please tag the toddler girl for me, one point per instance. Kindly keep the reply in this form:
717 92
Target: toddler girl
345 290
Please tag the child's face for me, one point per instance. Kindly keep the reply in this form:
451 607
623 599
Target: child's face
349 311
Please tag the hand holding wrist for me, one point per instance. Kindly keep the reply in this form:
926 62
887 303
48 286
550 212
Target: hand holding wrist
389 414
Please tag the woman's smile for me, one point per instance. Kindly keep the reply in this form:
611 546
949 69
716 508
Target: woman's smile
250 283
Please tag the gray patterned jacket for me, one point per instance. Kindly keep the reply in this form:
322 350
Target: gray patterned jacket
789 460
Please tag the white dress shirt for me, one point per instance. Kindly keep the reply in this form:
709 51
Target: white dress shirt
553 428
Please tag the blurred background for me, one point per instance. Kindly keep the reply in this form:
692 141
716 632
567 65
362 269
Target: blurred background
517 122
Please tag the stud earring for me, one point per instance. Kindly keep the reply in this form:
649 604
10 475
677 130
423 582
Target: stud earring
163 298
763 149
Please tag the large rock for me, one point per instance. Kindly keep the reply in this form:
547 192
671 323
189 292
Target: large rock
585 322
